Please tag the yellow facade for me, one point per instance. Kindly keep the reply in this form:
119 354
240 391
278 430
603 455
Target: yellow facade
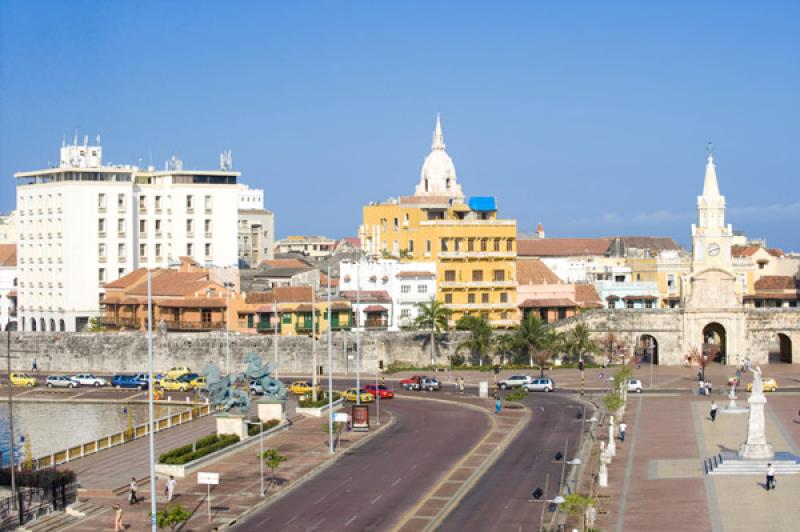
475 253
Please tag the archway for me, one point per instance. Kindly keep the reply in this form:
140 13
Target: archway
647 349
780 350
715 342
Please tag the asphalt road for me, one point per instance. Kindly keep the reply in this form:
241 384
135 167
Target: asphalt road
372 487
500 499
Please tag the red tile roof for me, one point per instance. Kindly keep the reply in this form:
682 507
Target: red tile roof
586 296
777 282
562 247
406 275
173 283
534 271
129 280
749 251
188 302
368 296
547 303
376 308
284 263
283 294
8 255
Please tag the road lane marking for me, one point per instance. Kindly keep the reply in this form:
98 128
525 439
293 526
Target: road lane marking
321 499
376 499
351 520
292 519
396 482
346 481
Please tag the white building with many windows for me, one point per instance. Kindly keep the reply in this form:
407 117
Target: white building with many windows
256 228
406 283
83 223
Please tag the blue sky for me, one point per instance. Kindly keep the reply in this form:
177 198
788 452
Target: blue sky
591 117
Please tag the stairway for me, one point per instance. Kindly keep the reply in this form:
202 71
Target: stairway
729 463
57 520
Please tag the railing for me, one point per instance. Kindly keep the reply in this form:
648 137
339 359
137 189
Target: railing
194 325
477 284
267 328
477 254
121 438
34 503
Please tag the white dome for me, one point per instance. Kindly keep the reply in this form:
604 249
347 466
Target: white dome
438 175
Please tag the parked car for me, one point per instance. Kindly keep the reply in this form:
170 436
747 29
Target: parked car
635 385
256 388
177 371
188 378
173 385
198 383
380 391
87 379
423 383
351 394
769 385
301 387
544 384
22 379
405 383
128 381
515 381
61 381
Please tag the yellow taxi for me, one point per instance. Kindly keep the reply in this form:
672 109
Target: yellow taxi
351 394
173 385
23 379
177 371
198 383
769 385
301 387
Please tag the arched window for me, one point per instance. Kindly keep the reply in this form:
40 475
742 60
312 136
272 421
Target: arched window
61 326
33 324
447 183
426 184
42 325
52 324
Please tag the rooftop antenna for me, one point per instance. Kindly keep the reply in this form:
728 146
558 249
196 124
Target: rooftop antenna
97 139
75 138
708 148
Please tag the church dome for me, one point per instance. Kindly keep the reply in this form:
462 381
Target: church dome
438 175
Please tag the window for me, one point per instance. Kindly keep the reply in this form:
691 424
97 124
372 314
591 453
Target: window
396 224
208 203
405 219
208 250
250 323
484 244
422 289
457 243
383 225
503 297
405 288
120 272
470 244
427 247
189 226
189 203
499 275
120 201
158 227
496 244
142 227
101 275
121 250
444 244
638 277
484 298
510 244
158 251
504 315
142 250
450 276
101 250
671 281
411 247
158 203
470 298
477 276
189 249
207 226
761 264
121 226
405 313
101 201
629 304
101 225
648 304
142 203
448 299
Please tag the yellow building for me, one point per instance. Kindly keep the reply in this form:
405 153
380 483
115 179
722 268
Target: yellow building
475 252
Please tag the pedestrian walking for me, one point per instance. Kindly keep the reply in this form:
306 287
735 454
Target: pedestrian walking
708 388
35 366
169 490
498 406
118 526
770 477
622 428
713 411
132 499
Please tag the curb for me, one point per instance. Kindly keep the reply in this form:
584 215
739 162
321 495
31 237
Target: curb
308 476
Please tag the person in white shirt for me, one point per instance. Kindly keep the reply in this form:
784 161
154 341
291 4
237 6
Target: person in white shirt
770 477
622 428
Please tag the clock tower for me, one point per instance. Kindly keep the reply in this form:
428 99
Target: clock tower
711 238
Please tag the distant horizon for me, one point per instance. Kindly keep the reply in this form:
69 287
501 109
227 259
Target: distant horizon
590 118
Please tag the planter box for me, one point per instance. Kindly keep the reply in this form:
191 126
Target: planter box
182 471
318 412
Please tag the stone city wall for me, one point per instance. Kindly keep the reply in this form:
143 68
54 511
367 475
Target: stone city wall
127 352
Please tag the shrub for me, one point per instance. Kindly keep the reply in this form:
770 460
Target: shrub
172 516
40 478
322 400
517 395
253 430
185 454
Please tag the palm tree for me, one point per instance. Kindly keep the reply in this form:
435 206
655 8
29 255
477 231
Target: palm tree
505 344
553 343
434 316
580 342
480 340
530 335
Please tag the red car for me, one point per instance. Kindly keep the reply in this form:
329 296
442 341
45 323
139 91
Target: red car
381 390
405 383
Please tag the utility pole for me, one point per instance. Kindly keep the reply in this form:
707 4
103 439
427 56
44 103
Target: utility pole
314 342
150 386
433 330
277 319
330 368
11 420
358 328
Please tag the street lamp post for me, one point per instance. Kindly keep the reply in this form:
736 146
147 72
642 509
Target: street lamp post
377 400
330 368
11 419
358 329
314 342
228 286
261 450
275 336
150 386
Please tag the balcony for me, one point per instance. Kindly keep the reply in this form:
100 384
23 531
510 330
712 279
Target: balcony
101 234
481 306
128 323
194 325
121 234
143 234
477 254
477 284
101 259
304 328
121 259
158 234
265 327
209 235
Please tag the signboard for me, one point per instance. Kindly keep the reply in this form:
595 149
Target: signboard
208 478
360 418
341 417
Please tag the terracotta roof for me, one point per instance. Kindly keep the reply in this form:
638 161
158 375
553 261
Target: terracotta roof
653 243
777 282
784 296
263 308
562 247
376 308
534 271
323 280
283 294
547 303
749 251
8 255
586 296
173 283
284 263
612 297
405 275
368 296
129 280
192 302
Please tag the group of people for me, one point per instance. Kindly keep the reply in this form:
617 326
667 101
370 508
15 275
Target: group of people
133 498
704 387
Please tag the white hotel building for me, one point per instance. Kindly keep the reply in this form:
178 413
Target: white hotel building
83 224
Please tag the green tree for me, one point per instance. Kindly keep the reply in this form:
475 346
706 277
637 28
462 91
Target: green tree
530 336
95 326
480 340
580 343
338 428
576 504
435 317
552 344
172 516
505 345
273 460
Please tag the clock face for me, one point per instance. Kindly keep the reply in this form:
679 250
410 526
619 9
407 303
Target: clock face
713 249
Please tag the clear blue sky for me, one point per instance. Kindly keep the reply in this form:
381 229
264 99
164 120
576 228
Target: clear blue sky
591 117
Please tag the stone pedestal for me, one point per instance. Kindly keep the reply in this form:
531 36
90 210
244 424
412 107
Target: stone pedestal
602 477
274 409
756 446
232 424
612 444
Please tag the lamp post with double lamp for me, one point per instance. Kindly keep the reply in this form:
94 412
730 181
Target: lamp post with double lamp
260 451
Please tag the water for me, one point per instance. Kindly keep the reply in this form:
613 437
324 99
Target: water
53 427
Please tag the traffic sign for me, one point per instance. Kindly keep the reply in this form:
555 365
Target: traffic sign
208 478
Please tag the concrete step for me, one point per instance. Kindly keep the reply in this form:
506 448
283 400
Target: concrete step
728 463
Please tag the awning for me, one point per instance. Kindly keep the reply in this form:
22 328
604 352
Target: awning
642 297
548 303
265 308
376 308
13 293
612 297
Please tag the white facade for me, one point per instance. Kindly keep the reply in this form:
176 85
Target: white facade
8 285
310 246
250 198
80 226
8 228
438 175
256 227
407 283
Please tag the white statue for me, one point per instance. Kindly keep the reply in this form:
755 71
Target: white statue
612 445
605 459
758 383
756 446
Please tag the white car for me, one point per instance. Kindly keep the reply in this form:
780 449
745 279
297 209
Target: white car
87 379
635 385
61 381
515 381
544 384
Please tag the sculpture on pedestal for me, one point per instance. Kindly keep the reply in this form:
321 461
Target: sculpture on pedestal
612 446
273 388
224 392
756 446
605 459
